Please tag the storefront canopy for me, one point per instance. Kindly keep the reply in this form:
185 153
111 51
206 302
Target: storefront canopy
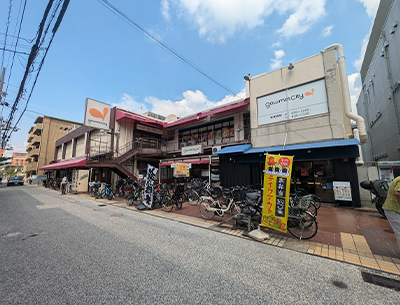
337 143
233 149
81 162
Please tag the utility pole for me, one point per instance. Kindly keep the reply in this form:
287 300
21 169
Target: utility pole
1 96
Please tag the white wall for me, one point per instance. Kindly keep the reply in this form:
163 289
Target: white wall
322 127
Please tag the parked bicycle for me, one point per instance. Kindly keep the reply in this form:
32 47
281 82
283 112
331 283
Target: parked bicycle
106 192
175 199
301 223
134 193
94 188
211 206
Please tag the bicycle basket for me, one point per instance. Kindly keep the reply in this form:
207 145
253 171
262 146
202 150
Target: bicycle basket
303 202
252 199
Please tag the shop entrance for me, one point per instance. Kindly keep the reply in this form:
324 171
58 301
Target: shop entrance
316 177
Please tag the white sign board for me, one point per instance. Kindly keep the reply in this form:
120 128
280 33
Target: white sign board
342 190
294 103
192 150
97 114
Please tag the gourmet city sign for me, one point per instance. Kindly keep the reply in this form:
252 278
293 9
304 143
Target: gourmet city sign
97 114
293 103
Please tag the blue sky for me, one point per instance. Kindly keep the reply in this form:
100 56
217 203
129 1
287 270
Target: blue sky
97 54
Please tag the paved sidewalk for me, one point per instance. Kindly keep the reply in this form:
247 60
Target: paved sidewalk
358 236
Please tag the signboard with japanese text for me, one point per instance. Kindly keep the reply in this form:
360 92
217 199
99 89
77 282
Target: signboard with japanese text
181 170
342 190
278 170
148 188
293 103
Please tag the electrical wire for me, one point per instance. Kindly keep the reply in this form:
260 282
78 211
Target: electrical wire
119 13
40 39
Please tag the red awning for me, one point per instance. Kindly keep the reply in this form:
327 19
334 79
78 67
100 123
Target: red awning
81 162
187 161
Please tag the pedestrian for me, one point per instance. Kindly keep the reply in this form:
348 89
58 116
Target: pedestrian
30 179
64 183
392 208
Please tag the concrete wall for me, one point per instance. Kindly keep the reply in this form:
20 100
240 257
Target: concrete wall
379 101
331 125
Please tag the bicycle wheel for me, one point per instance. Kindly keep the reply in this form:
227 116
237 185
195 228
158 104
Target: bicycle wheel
110 195
303 227
168 204
312 208
194 198
179 202
129 200
205 209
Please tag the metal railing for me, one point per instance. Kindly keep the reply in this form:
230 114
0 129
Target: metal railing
106 154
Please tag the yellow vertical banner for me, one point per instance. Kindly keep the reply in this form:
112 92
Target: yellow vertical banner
278 170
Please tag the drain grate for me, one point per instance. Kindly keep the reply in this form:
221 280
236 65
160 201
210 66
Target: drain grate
381 280
101 205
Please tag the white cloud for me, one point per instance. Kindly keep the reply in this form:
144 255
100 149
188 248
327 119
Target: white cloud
219 20
277 61
327 31
371 6
192 102
165 10
306 13
354 81
129 103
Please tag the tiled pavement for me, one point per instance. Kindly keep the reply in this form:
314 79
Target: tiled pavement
358 236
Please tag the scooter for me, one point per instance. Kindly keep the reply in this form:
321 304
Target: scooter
379 188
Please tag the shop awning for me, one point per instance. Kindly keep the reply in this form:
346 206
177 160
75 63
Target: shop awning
233 149
336 143
81 162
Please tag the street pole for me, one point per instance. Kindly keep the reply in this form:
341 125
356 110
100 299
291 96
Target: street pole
1 96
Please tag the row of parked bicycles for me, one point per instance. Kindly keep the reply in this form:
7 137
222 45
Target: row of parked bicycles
244 204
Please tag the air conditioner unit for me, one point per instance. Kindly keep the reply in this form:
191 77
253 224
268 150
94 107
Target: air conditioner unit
216 148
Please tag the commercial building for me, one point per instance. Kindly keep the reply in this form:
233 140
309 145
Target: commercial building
301 110
379 100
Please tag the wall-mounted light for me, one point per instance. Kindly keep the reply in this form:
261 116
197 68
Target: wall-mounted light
290 67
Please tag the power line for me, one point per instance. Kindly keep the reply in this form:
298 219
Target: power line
42 31
117 12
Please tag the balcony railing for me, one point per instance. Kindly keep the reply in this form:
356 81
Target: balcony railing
106 154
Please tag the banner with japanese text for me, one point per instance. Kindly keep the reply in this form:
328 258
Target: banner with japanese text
148 188
181 169
278 170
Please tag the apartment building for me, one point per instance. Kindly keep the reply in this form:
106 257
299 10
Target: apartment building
41 142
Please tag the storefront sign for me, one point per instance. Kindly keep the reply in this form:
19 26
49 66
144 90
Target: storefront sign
342 190
97 114
293 103
149 129
148 188
192 150
181 169
277 175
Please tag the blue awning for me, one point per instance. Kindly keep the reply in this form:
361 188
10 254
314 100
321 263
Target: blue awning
336 143
233 149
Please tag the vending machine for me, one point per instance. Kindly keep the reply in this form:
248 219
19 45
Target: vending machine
80 180
388 170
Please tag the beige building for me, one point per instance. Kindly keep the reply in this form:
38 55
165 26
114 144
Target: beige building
18 159
41 142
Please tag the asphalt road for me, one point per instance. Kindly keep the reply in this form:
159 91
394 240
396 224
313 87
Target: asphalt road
58 249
